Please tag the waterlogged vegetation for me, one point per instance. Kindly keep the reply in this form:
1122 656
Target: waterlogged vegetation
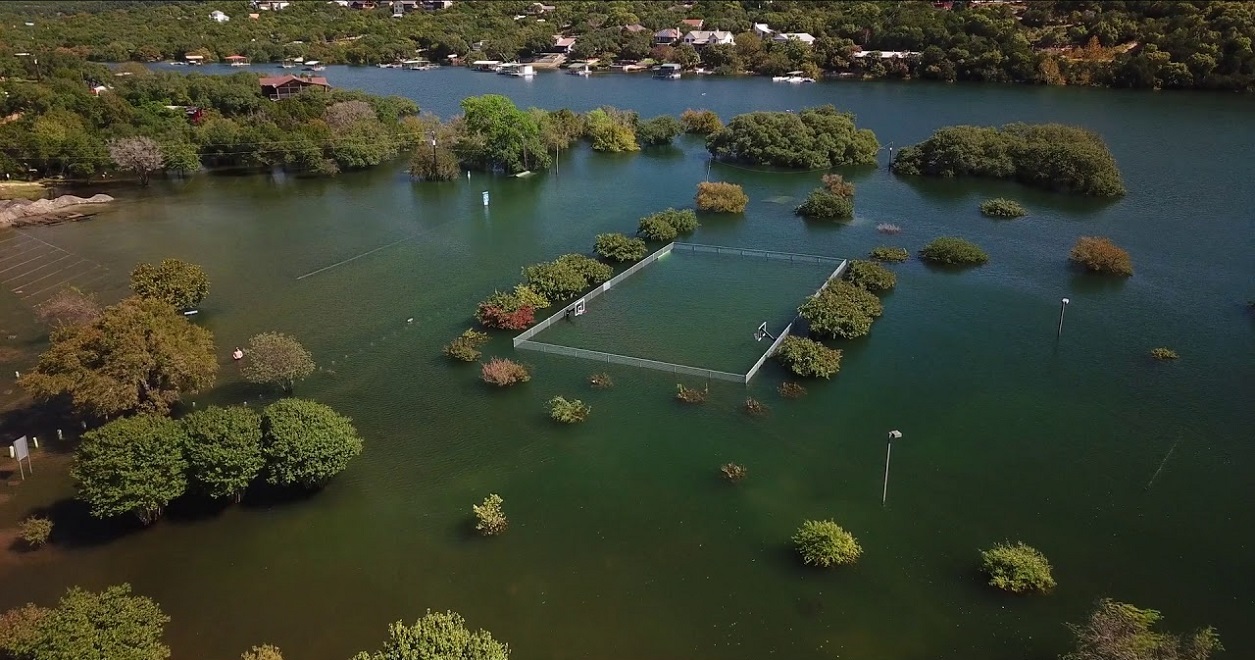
824 544
721 197
834 200
1017 567
815 138
1098 254
953 251
1002 208
1052 156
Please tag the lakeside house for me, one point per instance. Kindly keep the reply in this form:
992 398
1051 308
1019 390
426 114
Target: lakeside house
763 31
666 37
562 44
436 5
701 38
634 28
536 9
218 16
259 5
886 54
236 60
695 23
785 37
277 88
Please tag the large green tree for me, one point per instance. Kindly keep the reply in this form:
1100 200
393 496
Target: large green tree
438 636
306 443
113 624
139 355
499 135
223 450
179 283
131 465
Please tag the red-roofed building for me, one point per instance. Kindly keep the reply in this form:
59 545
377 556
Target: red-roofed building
282 87
695 23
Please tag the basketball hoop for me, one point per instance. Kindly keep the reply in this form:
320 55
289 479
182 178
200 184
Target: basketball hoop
761 332
579 308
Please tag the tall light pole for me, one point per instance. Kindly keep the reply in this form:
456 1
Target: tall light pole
893 435
1063 307
433 154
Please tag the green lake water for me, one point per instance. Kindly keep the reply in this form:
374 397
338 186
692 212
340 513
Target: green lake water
624 542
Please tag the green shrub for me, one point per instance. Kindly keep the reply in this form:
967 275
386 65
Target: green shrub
465 347
953 251
656 229
504 373
870 275
824 543
841 310
821 204
659 130
223 450
895 255
1100 255
510 310
808 358
565 276
701 122
665 226
611 130
619 247
568 411
1001 207
721 197
1163 353
490 519
35 531
1017 568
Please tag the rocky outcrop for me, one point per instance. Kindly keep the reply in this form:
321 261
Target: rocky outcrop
21 212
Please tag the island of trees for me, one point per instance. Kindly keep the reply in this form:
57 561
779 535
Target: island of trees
1052 156
1193 44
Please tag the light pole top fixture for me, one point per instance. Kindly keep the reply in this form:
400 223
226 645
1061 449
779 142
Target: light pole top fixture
895 434
1066 301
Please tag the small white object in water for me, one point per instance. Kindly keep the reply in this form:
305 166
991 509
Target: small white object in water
410 320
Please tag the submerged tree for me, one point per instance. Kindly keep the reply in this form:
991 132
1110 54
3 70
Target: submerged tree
174 281
131 465
141 155
1119 631
306 443
223 450
139 356
69 306
278 359
113 624
438 636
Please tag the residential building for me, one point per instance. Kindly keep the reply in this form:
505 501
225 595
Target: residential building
804 37
362 4
666 37
260 5
281 87
886 54
436 5
400 7
537 8
695 23
700 38
763 31
634 28
219 16
562 44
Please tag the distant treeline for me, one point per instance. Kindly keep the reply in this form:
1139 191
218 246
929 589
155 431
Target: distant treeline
1196 44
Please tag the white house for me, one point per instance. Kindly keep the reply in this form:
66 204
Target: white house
886 54
261 5
666 37
804 37
763 31
699 38
219 16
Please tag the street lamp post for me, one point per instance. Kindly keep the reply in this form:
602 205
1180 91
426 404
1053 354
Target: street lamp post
433 154
893 435
1063 307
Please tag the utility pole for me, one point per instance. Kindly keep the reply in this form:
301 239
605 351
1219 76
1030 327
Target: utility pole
433 154
1063 307
893 435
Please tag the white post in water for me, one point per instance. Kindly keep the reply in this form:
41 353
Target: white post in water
1063 307
485 198
893 435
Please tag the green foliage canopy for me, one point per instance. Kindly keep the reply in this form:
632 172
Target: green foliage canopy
437 636
138 356
112 624
306 443
131 465
223 450
1052 156
815 138
178 283
808 358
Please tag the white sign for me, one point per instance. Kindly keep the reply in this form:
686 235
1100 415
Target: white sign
579 307
20 448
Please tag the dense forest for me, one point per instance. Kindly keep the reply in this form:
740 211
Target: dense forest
1152 44
60 125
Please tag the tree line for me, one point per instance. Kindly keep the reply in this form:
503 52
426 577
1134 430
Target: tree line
1188 44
